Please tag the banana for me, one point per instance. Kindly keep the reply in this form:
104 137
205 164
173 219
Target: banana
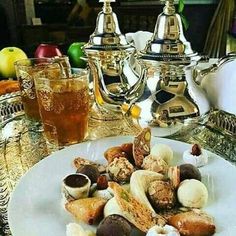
139 183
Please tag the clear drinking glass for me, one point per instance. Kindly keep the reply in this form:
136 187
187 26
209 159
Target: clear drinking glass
26 71
64 108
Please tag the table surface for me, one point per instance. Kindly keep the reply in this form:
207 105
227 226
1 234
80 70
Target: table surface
21 148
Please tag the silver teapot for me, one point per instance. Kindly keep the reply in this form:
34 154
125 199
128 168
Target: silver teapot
171 96
109 56
219 82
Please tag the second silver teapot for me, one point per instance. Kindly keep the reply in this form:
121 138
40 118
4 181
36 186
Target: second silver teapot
173 94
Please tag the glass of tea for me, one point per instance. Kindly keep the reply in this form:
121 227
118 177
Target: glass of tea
26 71
64 108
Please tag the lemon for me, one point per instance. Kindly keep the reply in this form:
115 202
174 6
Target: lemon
8 56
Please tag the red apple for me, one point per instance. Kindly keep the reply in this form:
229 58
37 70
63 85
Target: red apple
47 50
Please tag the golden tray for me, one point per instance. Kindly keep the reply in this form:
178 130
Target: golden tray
223 122
10 107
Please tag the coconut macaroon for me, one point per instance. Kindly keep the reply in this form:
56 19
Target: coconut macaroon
155 163
163 151
73 229
195 156
120 170
166 230
192 193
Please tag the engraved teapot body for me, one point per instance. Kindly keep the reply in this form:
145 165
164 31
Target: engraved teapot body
173 94
109 54
116 83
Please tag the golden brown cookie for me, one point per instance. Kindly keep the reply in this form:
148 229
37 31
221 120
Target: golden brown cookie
141 146
114 152
193 223
79 162
133 210
9 86
88 210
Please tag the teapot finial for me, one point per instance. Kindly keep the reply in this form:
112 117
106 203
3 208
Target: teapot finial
107 32
169 8
107 5
168 40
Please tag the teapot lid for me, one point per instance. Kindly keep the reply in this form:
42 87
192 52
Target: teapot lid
107 34
168 42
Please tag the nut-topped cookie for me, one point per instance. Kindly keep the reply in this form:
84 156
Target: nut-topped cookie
157 192
141 146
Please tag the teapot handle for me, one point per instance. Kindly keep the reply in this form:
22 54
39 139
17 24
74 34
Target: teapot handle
200 74
129 96
227 58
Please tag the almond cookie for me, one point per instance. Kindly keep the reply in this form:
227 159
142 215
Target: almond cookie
141 146
114 152
133 210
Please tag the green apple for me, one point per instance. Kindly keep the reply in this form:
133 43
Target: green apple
75 52
8 56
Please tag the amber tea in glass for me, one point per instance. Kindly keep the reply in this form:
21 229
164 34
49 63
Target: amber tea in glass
64 108
26 70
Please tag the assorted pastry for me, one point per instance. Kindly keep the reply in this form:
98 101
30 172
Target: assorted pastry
9 86
138 192
196 156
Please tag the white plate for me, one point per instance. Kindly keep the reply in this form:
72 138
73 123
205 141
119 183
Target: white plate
35 206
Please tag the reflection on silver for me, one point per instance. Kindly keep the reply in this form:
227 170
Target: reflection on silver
168 37
200 74
20 149
23 149
173 96
223 122
210 134
219 81
109 55
10 107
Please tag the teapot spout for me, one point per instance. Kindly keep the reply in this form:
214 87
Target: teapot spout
136 80
117 86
